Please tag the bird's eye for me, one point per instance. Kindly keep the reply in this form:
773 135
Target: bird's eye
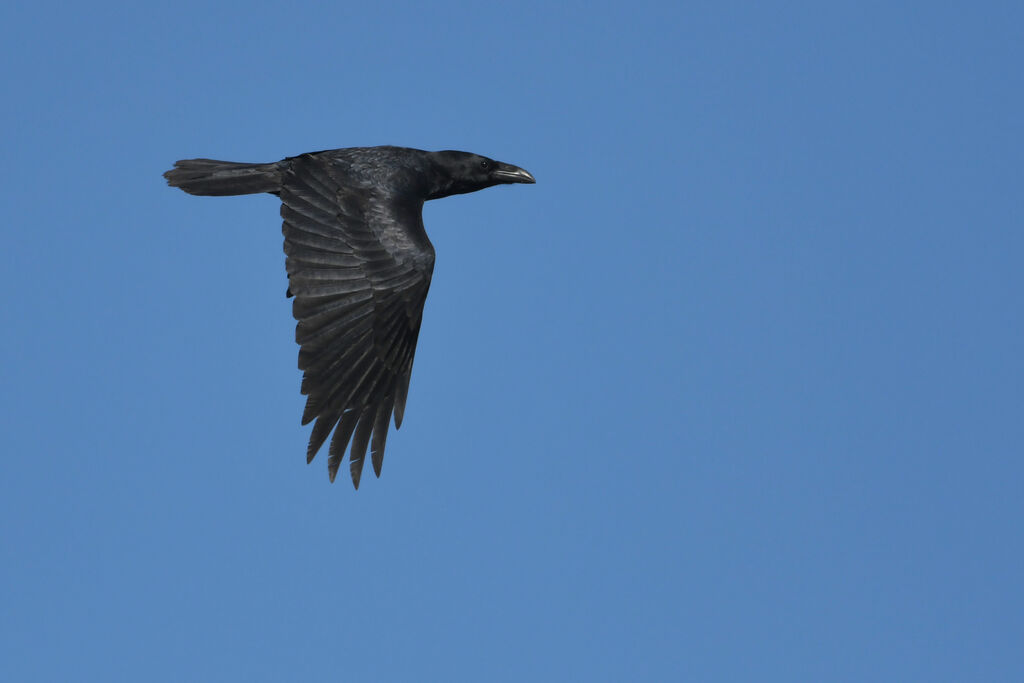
485 164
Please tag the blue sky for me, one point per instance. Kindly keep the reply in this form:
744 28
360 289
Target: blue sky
734 392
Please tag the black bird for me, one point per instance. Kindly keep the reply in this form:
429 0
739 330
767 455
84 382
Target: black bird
359 264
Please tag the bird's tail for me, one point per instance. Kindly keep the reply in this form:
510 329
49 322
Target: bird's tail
219 178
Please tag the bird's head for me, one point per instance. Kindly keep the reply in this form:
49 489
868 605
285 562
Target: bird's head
464 172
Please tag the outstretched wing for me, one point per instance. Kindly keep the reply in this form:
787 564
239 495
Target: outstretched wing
359 265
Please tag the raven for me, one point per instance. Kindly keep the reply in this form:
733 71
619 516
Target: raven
359 265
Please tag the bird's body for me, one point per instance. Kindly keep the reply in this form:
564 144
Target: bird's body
359 265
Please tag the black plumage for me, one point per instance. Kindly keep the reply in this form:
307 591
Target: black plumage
359 265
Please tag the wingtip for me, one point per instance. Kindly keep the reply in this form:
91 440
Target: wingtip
310 412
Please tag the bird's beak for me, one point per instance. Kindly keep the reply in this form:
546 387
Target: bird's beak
507 173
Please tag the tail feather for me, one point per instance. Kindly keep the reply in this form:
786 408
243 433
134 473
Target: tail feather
219 178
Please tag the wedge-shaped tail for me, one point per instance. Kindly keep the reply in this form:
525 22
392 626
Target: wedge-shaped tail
219 178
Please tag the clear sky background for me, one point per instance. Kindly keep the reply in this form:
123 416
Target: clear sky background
735 392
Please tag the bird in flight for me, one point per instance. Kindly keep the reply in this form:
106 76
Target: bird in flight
359 265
